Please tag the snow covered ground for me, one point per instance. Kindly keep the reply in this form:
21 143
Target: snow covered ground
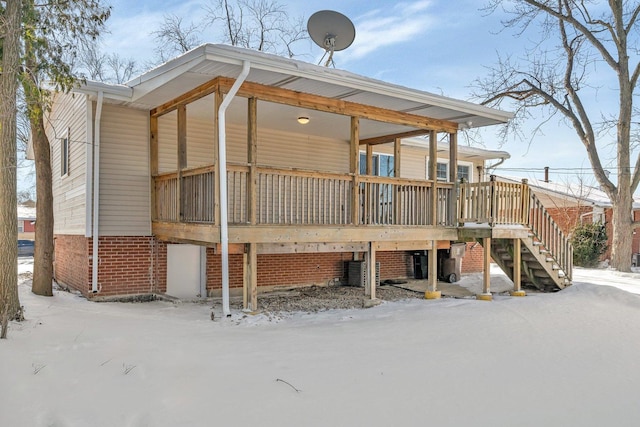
565 359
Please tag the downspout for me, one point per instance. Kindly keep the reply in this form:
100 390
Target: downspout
501 161
96 191
222 175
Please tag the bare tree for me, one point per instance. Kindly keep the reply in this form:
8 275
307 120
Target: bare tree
9 301
262 25
174 37
579 41
102 67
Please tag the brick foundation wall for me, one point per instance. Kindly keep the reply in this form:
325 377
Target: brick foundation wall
71 265
395 265
138 265
473 258
125 265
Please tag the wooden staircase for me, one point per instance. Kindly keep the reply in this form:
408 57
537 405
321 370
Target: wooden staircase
539 268
546 254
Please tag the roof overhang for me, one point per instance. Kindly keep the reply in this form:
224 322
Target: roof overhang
208 61
201 65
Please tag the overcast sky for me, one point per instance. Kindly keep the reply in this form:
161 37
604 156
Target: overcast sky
439 46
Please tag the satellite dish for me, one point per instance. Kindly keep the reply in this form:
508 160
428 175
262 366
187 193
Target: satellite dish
332 31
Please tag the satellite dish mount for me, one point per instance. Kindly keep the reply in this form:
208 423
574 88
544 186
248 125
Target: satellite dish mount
332 31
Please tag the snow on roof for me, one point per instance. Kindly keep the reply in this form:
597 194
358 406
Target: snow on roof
26 212
577 191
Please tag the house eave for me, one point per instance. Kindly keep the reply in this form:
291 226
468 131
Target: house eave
262 62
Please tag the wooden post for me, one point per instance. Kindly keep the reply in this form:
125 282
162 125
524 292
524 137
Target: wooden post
486 271
493 208
525 202
216 142
370 283
453 177
153 162
354 168
369 197
453 157
432 272
252 159
250 276
517 263
397 162
182 156
462 214
433 175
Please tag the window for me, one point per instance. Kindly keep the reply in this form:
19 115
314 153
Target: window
442 171
20 226
382 164
464 171
64 155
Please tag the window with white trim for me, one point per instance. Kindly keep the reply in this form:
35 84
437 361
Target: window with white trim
20 226
464 171
442 171
64 155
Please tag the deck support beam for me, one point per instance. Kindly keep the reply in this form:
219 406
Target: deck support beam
432 273
370 283
517 264
486 271
250 278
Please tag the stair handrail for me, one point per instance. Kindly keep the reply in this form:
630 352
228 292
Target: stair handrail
548 233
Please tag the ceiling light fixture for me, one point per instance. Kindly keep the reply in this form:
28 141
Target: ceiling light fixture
303 120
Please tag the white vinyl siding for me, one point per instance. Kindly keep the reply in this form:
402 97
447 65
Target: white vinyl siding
67 119
124 172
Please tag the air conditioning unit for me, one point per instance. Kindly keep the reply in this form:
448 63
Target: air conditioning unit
357 273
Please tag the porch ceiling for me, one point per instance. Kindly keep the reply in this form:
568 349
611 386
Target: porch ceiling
208 61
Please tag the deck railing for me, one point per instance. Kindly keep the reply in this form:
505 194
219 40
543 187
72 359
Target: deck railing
297 197
496 202
294 197
550 236
492 202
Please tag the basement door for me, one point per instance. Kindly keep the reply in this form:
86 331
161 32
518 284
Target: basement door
185 271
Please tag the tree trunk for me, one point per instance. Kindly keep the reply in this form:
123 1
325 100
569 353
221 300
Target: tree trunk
621 250
9 301
36 104
43 253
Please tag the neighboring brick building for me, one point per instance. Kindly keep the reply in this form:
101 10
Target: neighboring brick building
26 222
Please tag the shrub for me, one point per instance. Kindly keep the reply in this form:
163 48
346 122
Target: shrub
589 243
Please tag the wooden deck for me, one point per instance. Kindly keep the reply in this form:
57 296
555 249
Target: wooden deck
286 210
